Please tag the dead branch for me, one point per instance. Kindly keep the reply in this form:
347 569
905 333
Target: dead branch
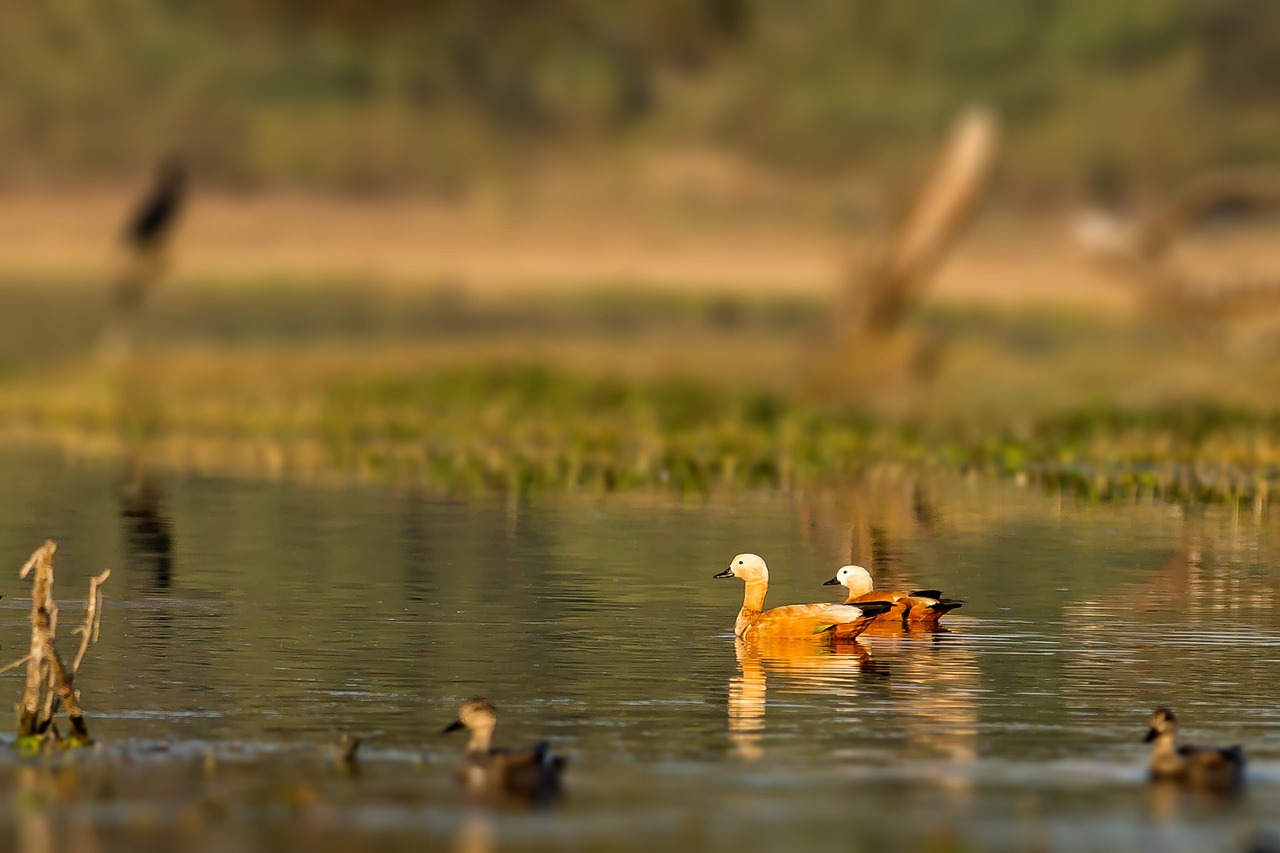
1201 199
866 343
48 682
92 617
937 218
29 722
62 691
15 664
1140 251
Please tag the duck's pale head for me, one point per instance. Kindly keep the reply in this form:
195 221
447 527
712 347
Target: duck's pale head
856 578
478 715
749 567
1163 723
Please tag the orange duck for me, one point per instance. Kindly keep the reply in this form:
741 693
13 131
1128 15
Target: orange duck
795 621
923 607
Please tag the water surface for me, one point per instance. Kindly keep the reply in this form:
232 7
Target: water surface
247 624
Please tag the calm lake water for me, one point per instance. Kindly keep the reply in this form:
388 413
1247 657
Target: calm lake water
247 624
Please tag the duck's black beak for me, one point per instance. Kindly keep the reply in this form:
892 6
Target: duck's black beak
727 573
452 727
832 582
1152 734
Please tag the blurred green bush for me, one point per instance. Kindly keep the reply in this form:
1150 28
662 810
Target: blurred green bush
385 94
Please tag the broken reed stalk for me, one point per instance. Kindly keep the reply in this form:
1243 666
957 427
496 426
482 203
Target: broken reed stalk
45 668
41 631
92 618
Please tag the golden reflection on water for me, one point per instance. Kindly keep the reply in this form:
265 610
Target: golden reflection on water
937 683
34 828
809 666
935 686
866 525
1179 631
1201 579
476 834
747 694
41 790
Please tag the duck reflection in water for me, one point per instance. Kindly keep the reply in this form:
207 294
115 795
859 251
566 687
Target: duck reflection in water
812 666
475 834
531 775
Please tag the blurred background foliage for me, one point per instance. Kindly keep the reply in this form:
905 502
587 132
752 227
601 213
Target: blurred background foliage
1098 96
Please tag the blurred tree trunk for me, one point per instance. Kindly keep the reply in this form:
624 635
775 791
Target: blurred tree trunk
882 291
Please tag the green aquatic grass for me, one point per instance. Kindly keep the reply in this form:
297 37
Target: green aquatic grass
613 392
532 428
519 428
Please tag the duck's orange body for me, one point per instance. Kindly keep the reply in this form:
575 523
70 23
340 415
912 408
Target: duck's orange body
795 621
922 608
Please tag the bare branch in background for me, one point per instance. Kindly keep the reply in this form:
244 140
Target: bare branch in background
1141 250
869 345
937 218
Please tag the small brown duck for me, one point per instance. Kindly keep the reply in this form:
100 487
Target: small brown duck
922 607
530 774
344 751
1210 768
794 621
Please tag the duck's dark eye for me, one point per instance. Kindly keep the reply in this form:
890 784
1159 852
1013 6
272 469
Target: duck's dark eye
739 562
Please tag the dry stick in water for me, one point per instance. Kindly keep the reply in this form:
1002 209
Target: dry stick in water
44 664
88 635
41 634
92 618
15 664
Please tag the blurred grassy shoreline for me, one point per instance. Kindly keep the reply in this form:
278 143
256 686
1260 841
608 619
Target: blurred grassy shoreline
566 245
605 391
